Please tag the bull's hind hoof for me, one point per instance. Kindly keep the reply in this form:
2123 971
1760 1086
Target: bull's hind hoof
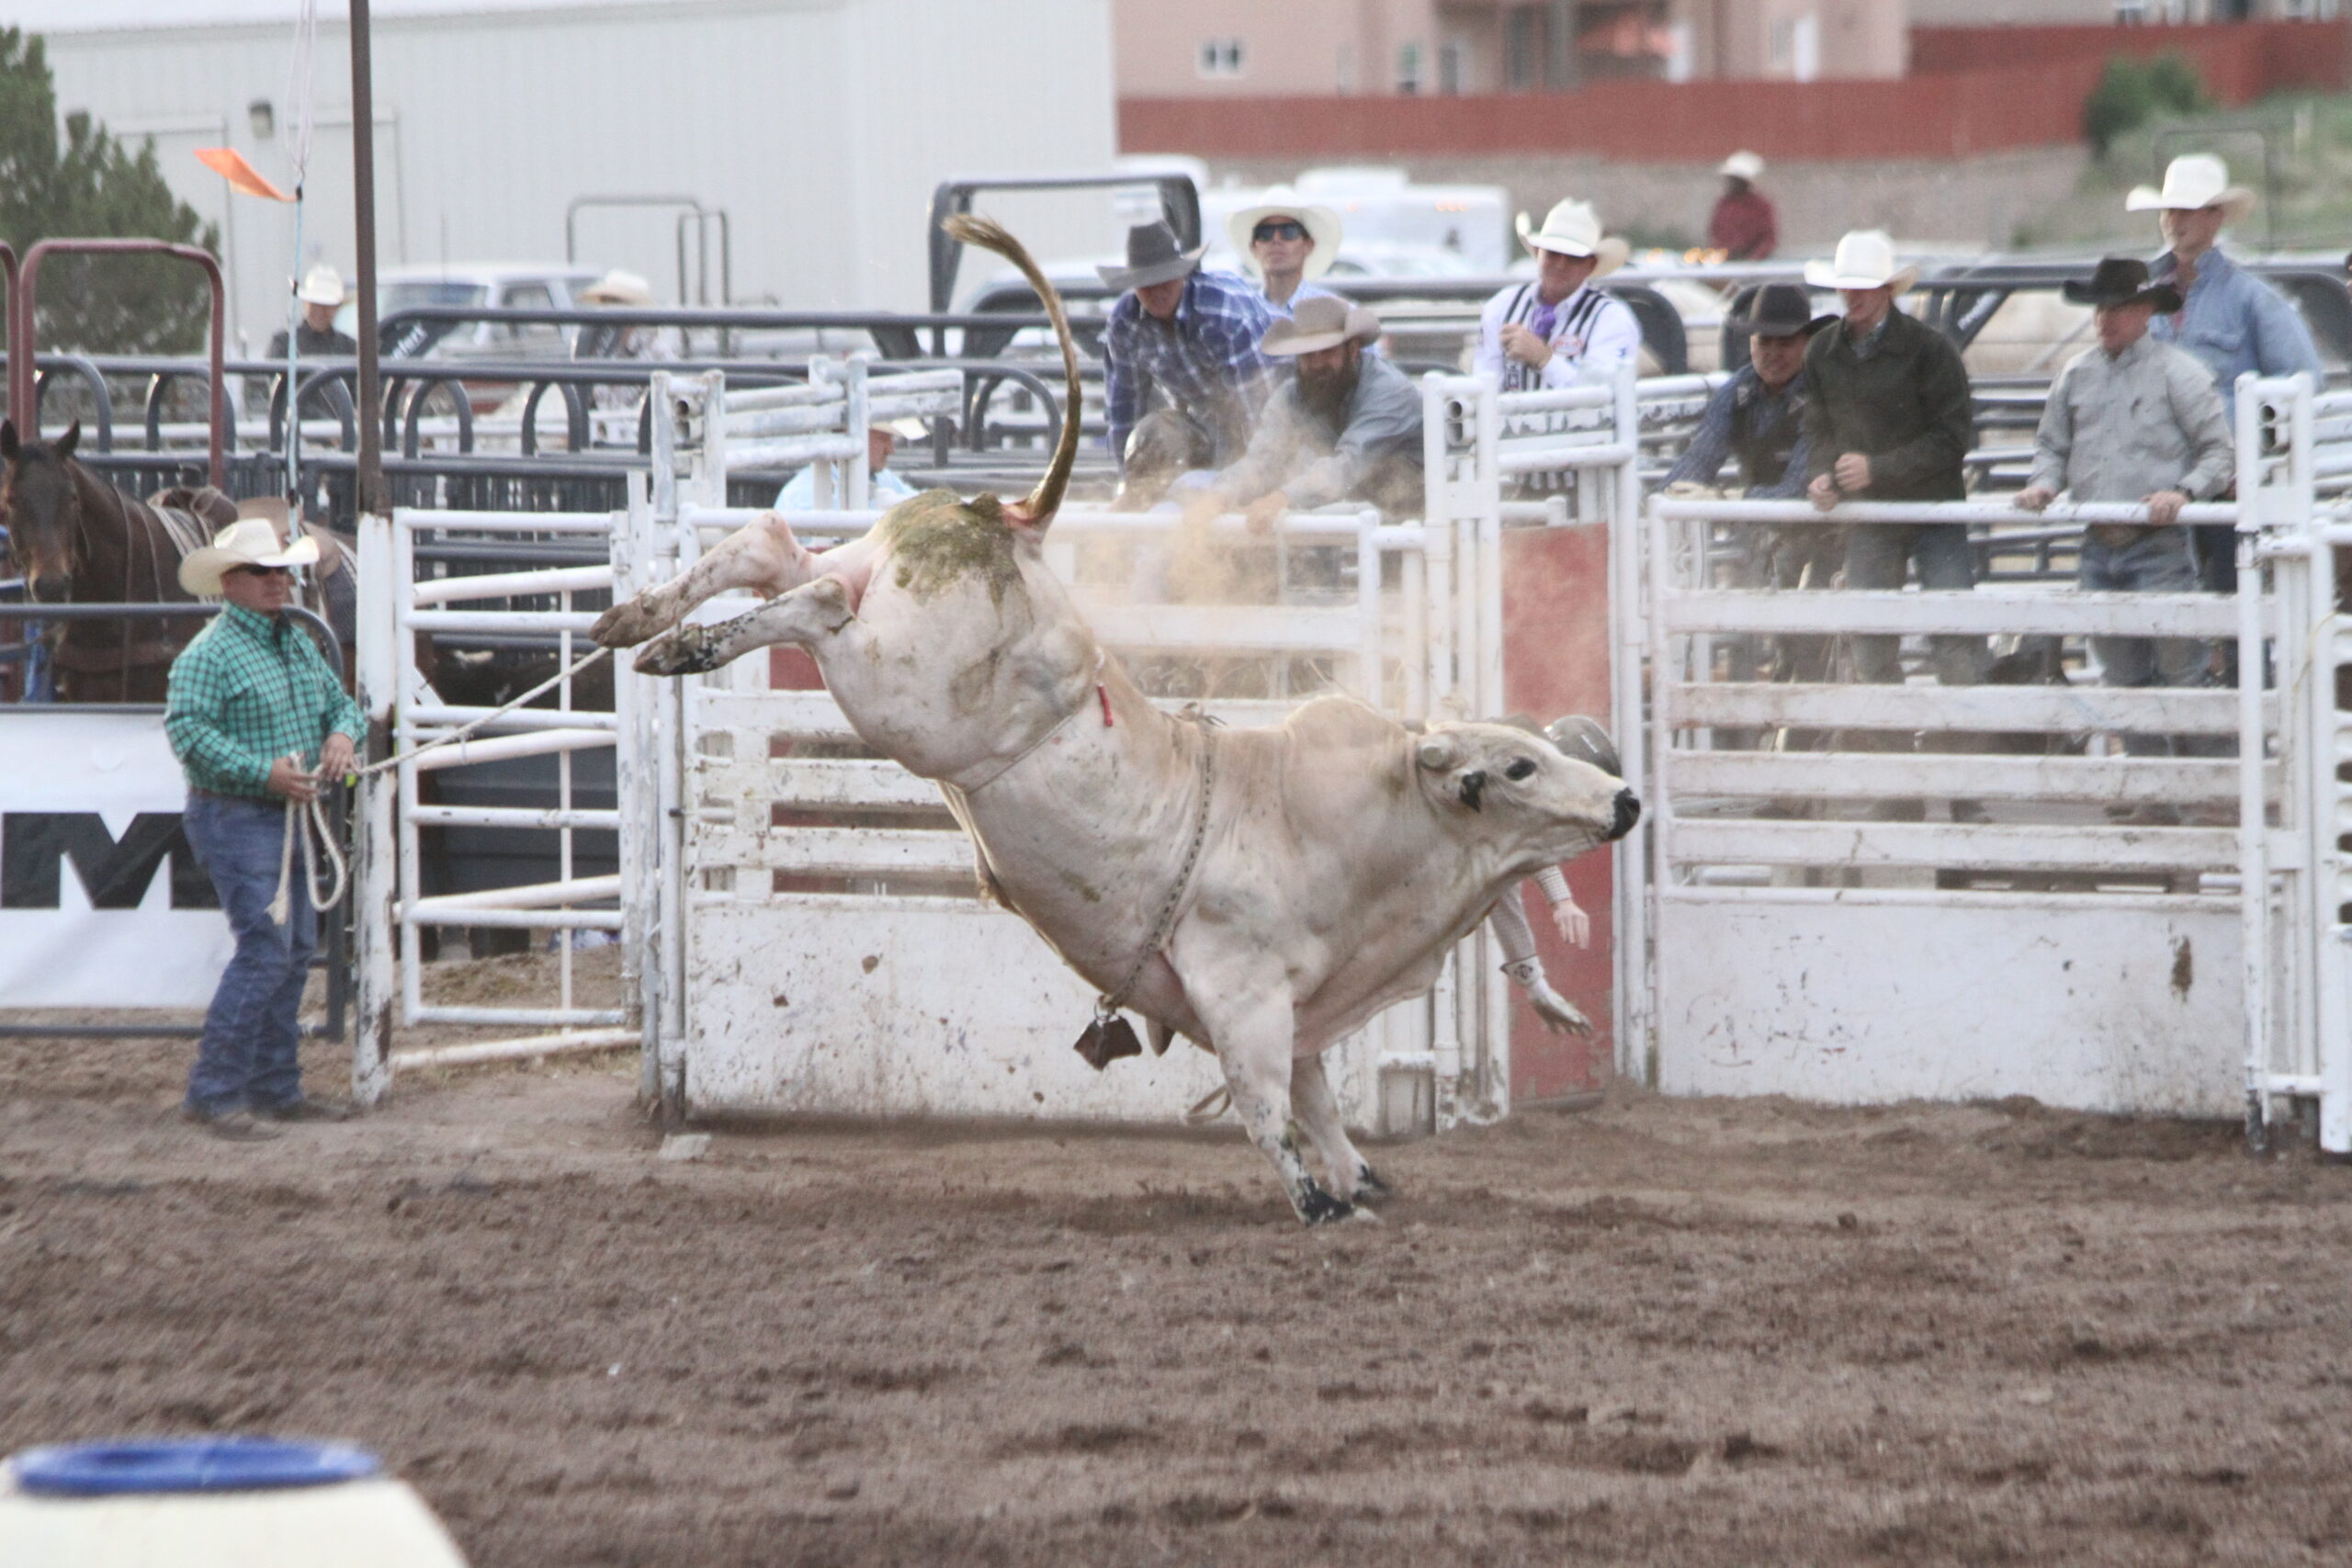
1369 1189
1317 1207
689 650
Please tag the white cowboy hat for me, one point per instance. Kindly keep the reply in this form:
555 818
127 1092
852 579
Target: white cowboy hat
2193 180
1742 165
249 541
1321 223
1865 259
320 286
617 287
1573 229
1324 321
906 429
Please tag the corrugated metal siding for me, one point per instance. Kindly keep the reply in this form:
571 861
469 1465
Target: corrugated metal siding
820 125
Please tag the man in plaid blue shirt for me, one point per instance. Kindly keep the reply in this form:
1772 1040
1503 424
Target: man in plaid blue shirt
1193 336
252 703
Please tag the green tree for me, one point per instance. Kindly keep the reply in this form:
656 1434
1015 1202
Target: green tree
88 185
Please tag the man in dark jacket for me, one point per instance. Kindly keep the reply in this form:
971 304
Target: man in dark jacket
1887 418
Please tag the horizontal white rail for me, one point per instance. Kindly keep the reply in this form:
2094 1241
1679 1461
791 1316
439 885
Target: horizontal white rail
513 719
520 1015
510 585
522 1048
511 817
783 421
1552 400
793 451
1979 612
1895 512
2129 780
547 622
794 396
815 716
1220 628
505 522
500 747
2062 710
840 852
1992 847
1531 456
835 783
428 912
529 895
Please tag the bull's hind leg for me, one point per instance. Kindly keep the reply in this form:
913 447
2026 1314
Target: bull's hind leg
1252 1027
761 556
806 615
1317 1111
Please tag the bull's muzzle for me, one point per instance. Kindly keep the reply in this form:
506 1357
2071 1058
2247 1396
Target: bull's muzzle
1474 785
1628 812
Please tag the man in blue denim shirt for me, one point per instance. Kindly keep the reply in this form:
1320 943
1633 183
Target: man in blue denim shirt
2232 320
252 700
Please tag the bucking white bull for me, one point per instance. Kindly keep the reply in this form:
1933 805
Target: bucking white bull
1262 891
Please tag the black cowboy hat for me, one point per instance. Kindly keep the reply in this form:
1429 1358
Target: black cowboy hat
1779 310
2122 280
1153 256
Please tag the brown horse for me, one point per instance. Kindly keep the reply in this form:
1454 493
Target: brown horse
77 540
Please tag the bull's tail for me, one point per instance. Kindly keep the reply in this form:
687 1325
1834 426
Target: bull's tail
990 235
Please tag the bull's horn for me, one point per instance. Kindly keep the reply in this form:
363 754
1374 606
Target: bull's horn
1440 752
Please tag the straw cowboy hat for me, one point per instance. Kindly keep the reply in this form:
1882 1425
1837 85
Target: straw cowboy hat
1573 229
2193 180
1865 259
1153 256
320 286
249 541
1318 323
1742 165
1321 223
2122 280
617 287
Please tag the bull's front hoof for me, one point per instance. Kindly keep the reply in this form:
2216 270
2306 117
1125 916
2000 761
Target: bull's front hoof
689 650
623 626
1317 1207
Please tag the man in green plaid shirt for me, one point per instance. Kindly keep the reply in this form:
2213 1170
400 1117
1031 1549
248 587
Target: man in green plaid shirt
258 719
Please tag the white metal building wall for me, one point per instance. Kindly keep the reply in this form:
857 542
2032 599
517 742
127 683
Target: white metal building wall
820 125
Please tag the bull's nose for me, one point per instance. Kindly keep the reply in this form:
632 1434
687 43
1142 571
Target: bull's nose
1629 811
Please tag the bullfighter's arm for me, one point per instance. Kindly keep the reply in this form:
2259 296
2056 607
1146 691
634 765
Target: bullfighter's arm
1508 920
1575 925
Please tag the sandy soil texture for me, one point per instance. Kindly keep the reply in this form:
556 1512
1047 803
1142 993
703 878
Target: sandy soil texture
1689 1332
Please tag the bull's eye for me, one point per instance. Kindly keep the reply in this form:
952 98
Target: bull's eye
1520 769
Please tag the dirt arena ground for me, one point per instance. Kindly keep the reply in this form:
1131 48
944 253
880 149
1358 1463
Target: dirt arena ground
1689 1333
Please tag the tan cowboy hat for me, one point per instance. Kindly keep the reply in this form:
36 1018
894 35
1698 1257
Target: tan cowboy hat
1324 321
2193 180
249 541
617 287
320 286
1865 259
1573 229
1321 223
1742 165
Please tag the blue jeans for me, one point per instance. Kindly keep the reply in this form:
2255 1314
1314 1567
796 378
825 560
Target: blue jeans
2159 561
1876 555
247 1058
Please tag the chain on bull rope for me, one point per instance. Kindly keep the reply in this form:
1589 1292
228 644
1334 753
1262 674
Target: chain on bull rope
1106 1008
310 826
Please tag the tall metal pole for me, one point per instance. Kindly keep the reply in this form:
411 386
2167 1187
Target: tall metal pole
363 209
373 867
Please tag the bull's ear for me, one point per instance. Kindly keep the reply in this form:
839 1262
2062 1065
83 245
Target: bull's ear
1439 753
71 439
8 448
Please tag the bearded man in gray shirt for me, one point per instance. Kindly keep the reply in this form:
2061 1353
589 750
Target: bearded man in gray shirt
2134 420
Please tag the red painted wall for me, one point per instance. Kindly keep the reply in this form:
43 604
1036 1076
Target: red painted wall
1556 661
1973 90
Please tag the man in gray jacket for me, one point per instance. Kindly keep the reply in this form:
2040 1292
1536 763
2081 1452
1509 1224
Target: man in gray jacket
1346 427
2134 420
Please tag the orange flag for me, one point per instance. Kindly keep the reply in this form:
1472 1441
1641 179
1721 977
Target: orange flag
231 165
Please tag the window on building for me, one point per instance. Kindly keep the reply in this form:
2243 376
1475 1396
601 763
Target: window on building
1347 72
1221 57
1408 67
1795 46
1522 48
1453 67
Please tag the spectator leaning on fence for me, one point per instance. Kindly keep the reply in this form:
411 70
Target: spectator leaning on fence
1743 225
1190 337
2232 320
1887 418
2134 420
1287 244
1560 331
1347 427
256 718
883 486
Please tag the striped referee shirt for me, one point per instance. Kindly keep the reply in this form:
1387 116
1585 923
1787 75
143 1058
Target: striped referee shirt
1593 335
251 689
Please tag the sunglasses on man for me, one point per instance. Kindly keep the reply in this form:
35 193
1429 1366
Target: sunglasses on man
266 571
1283 229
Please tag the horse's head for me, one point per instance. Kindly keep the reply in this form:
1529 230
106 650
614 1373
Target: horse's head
42 511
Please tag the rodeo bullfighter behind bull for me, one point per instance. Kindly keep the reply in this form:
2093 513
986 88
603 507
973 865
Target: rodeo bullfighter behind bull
1262 891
